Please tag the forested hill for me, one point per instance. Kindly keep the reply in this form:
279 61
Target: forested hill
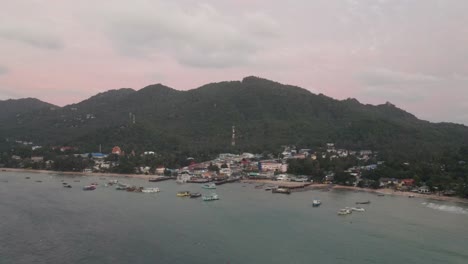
265 114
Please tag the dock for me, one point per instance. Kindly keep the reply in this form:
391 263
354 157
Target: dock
161 178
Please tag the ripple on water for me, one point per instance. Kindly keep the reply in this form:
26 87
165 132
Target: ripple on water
447 208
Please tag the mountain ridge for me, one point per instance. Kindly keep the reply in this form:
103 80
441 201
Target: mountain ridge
266 114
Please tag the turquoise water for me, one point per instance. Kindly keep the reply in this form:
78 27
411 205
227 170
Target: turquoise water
46 223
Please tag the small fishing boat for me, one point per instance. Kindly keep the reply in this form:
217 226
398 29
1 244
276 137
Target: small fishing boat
36 181
67 186
150 190
195 195
358 209
281 190
316 203
380 194
211 197
121 187
28 178
368 202
183 194
410 196
89 188
260 186
209 186
344 211
268 189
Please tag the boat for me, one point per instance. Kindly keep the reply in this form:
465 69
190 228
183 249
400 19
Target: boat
67 186
28 178
89 188
344 211
380 194
36 181
150 190
211 197
281 190
121 187
410 196
195 195
358 209
76 180
183 194
316 203
209 186
268 189
260 186
368 202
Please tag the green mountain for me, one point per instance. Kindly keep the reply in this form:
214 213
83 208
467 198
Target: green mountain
15 108
265 114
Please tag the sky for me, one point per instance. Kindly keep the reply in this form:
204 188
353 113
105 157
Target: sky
411 53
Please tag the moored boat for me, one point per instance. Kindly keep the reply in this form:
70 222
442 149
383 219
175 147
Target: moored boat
151 190
281 190
358 209
67 186
211 197
344 211
209 186
316 203
121 187
368 202
195 195
89 188
183 194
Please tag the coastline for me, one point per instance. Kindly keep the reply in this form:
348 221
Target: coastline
71 173
376 191
269 182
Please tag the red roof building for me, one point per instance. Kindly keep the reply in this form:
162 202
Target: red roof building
407 182
116 150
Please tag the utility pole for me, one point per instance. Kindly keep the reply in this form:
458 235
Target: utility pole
233 142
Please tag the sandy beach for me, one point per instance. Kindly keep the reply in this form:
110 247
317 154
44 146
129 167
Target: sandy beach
352 188
138 176
267 182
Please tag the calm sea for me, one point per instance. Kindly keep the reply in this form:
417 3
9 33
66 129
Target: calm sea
42 222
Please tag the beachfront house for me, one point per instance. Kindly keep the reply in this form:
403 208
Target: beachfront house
388 182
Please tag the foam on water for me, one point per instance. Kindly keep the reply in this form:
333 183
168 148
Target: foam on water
447 208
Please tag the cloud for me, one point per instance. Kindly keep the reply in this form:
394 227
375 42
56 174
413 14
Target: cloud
384 77
200 36
31 36
3 70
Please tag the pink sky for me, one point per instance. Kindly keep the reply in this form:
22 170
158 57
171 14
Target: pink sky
411 53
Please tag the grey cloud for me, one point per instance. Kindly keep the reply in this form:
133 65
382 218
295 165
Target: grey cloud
3 70
382 77
197 37
32 37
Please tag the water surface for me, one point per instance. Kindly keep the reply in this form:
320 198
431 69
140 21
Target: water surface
46 223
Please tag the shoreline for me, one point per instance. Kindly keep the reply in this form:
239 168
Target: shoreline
269 182
87 174
387 191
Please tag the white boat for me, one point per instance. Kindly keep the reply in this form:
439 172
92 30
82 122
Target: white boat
358 209
150 190
316 203
344 211
209 186
211 197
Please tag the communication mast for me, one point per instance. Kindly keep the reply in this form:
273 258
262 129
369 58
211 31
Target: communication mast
233 142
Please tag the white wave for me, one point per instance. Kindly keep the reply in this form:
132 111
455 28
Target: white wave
447 208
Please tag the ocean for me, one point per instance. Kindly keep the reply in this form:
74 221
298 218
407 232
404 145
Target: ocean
42 222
